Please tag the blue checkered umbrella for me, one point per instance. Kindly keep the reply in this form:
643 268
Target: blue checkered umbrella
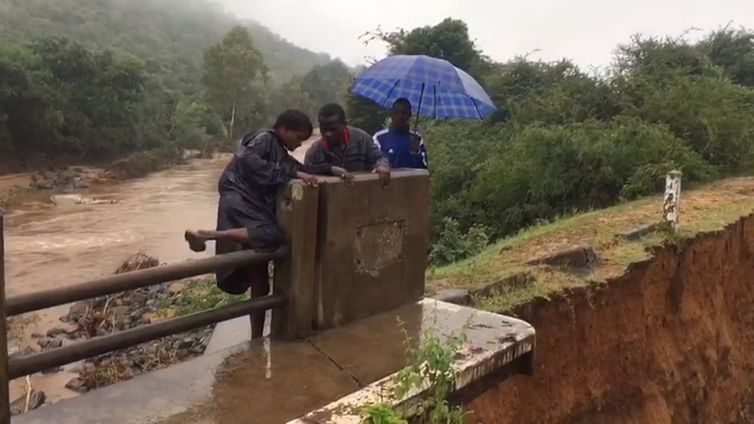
434 87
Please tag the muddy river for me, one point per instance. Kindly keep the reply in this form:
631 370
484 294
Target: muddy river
52 245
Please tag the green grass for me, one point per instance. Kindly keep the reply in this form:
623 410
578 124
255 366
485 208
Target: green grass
709 208
197 296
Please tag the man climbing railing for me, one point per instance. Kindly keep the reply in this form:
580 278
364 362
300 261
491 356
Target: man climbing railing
294 264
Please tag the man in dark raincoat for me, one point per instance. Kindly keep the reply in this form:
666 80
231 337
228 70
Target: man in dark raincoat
248 194
345 147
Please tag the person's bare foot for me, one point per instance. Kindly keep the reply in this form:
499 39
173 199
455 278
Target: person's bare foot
195 240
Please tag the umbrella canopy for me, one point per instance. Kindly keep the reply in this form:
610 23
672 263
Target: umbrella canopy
434 87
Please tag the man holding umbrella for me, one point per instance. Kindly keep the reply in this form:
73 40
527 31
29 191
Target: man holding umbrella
423 85
403 147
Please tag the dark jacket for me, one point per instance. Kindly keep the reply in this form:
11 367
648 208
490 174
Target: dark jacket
360 154
248 194
256 173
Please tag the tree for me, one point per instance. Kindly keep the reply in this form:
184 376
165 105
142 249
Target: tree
659 58
326 83
231 69
291 95
447 40
732 50
365 114
554 93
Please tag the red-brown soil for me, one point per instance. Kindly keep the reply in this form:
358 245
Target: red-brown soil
670 341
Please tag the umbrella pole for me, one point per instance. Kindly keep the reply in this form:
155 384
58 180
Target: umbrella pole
419 110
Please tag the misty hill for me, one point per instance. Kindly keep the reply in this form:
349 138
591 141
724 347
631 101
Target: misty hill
168 35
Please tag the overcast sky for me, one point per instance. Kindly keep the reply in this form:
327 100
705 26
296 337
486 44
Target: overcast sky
585 30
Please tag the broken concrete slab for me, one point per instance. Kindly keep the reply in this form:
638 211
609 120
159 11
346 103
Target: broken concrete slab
575 257
513 282
640 231
494 342
274 381
455 296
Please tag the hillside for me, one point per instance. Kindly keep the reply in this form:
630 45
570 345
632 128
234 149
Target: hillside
503 277
168 34
654 328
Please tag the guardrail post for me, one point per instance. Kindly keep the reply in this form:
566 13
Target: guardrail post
671 208
4 380
294 276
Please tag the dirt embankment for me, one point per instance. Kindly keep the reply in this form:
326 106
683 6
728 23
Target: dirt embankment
670 341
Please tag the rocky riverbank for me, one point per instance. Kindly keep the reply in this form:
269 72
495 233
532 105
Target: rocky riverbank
70 178
110 314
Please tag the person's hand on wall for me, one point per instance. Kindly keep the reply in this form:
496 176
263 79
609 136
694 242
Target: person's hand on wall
308 179
384 175
343 174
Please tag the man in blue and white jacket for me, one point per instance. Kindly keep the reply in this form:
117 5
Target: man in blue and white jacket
402 146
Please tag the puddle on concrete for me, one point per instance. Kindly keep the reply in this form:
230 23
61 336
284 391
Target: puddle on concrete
272 384
274 381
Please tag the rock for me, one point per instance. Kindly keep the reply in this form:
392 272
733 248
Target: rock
36 399
176 288
575 257
119 311
37 335
77 385
186 343
136 315
505 285
99 302
78 309
198 350
54 344
182 354
13 348
640 231
43 342
136 262
456 296
151 317
66 199
138 299
57 331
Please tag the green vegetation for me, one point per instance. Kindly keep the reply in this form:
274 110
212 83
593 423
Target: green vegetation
91 80
233 68
706 209
567 140
429 365
197 296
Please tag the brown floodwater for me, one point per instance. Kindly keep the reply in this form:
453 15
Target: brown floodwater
52 245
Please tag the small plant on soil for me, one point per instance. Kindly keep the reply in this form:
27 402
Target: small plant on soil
197 296
429 365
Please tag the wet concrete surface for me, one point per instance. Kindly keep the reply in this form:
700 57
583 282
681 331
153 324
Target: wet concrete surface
493 349
374 256
274 381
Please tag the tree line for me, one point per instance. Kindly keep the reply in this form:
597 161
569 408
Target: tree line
61 99
567 140
93 80
564 140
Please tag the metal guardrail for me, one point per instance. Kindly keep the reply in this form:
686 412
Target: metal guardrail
36 362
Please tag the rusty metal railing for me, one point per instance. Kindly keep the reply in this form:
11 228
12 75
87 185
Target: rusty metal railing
292 301
36 362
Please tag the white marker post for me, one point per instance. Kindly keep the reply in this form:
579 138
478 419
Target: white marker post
671 207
